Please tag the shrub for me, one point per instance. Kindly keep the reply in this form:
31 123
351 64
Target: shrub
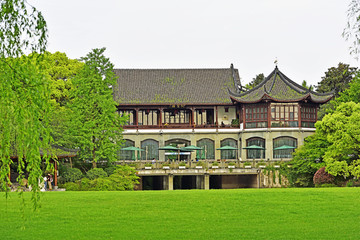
321 177
96 173
71 186
110 170
70 175
122 179
326 185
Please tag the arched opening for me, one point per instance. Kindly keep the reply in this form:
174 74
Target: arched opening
127 155
255 148
208 147
283 147
173 155
229 154
151 148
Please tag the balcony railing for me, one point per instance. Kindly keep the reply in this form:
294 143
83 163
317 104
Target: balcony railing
202 164
179 125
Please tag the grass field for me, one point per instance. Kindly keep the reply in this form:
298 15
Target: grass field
331 213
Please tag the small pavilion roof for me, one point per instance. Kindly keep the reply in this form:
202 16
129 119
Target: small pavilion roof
175 86
279 88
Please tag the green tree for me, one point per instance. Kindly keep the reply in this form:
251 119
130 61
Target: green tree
59 69
336 79
24 93
94 123
255 81
307 159
342 131
352 93
305 85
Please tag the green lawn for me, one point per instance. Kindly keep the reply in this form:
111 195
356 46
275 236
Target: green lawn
331 213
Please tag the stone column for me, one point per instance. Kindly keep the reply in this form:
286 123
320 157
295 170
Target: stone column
171 182
206 181
199 182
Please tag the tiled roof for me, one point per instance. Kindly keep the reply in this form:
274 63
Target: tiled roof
175 86
279 88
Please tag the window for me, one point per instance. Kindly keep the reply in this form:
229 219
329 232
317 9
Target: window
284 115
130 113
152 148
283 147
204 116
255 148
256 116
127 155
148 117
308 116
209 149
228 154
176 116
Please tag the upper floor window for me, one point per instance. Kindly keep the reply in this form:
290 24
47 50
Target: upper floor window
176 116
131 116
284 115
308 116
148 117
256 116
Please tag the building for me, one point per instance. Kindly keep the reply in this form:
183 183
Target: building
210 109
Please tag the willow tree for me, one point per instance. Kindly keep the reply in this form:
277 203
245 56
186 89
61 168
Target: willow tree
24 95
95 126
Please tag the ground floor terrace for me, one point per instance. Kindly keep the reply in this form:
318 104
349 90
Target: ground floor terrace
204 174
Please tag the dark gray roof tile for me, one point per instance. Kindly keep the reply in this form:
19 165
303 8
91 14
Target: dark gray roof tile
174 86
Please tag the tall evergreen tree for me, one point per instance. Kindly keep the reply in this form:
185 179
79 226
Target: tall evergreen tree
95 125
255 81
336 79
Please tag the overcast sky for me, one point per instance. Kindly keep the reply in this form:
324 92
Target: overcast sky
304 35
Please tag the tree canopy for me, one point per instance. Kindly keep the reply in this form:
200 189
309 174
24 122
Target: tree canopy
342 131
24 93
335 144
336 79
255 81
95 125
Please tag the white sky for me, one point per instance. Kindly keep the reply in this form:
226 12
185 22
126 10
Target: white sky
304 35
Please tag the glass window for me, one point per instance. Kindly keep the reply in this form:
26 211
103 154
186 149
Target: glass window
255 153
130 114
148 117
228 154
127 155
152 148
256 116
287 143
284 115
176 116
208 151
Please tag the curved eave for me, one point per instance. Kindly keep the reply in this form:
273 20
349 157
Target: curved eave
265 96
320 101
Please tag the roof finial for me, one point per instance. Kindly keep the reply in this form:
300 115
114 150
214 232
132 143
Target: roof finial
276 62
